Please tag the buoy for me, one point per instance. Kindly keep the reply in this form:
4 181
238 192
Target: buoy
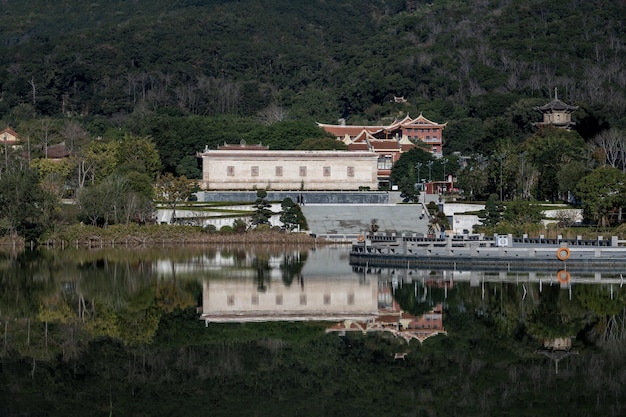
562 254
563 276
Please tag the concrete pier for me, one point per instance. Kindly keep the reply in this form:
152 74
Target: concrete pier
490 253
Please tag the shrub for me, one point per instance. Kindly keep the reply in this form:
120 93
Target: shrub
226 229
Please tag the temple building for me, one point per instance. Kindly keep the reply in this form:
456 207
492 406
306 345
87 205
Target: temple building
249 167
9 138
401 135
556 114
390 141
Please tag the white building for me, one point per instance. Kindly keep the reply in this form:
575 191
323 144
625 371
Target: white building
245 167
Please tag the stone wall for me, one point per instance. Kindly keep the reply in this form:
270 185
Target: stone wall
306 197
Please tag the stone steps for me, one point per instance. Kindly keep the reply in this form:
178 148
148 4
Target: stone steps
354 219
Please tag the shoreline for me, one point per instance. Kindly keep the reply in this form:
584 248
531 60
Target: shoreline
88 237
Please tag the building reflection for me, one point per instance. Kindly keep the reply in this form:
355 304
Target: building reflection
557 349
393 320
359 305
316 299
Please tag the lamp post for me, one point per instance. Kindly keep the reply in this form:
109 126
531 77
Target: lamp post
444 160
418 166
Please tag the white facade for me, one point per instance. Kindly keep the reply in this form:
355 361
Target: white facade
239 300
288 170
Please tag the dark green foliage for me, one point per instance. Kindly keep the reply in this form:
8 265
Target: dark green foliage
550 150
460 135
319 60
285 135
491 215
240 226
262 211
472 180
321 144
603 193
178 139
405 169
519 212
26 209
408 190
118 199
289 214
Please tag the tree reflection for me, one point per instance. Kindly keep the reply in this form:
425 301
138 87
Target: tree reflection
291 266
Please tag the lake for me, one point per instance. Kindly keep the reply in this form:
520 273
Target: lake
289 331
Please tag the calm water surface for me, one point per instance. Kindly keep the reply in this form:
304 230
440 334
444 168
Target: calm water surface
231 331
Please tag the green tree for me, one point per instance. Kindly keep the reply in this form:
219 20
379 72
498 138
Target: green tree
285 135
289 214
53 175
519 212
95 161
491 215
602 193
240 226
549 150
26 207
138 154
569 175
472 179
262 212
408 191
316 144
407 167
460 134
118 199
173 190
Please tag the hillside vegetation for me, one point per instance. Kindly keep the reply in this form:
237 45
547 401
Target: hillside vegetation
315 60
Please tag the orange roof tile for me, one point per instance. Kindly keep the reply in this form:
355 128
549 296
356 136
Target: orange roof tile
385 144
361 146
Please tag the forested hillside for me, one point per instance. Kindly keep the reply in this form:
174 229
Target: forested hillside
191 73
312 59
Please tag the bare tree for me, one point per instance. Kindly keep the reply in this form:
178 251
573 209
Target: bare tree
566 217
612 143
72 132
46 134
272 114
33 89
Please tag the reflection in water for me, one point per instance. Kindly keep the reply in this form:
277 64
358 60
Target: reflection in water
315 299
364 305
119 332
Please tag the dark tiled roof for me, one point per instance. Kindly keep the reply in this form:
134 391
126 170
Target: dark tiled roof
57 151
556 105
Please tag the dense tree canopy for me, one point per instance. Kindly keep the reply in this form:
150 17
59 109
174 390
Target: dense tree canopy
603 193
26 207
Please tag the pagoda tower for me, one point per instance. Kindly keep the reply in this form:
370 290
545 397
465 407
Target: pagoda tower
556 113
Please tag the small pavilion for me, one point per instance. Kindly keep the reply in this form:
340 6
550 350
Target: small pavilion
556 113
